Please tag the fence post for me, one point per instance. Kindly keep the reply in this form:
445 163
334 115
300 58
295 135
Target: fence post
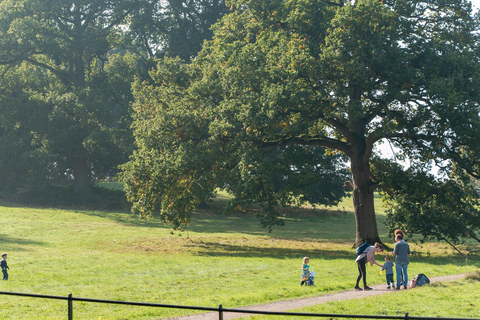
70 307
406 316
220 312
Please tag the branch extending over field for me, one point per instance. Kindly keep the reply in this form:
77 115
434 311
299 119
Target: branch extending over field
308 141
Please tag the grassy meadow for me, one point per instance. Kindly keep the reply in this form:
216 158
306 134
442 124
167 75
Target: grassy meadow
219 259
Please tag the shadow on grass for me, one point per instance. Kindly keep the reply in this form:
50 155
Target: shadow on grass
126 218
299 221
305 222
17 243
213 219
63 197
212 249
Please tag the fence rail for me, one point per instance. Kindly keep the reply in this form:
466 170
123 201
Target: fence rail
70 299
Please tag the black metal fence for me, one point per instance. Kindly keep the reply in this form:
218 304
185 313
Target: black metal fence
220 310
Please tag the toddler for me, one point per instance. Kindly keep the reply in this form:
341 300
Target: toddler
4 266
388 267
307 277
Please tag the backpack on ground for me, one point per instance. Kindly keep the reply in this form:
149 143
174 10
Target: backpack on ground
362 248
419 280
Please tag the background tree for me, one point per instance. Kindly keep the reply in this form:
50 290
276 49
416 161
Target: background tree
177 164
175 27
422 204
70 39
37 125
288 74
24 160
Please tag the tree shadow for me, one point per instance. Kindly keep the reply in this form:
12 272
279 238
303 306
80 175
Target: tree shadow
245 222
212 249
304 223
126 218
8 243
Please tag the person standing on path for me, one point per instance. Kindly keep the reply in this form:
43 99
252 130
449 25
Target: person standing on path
401 251
362 259
4 266
388 267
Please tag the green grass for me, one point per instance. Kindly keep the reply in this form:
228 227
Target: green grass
460 299
117 186
219 259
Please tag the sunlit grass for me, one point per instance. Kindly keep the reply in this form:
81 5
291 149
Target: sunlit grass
220 258
458 299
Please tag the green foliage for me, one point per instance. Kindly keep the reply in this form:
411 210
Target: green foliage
69 42
47 128
109 98
25 162
421 204
183 156
149 178
286 176
174 28
282 81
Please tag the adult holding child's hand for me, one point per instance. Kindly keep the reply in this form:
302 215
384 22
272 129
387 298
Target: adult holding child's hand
362 259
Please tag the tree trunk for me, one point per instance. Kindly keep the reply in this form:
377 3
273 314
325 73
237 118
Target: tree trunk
81 178
363 202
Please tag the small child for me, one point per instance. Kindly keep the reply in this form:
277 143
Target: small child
307 278
388 267
4 266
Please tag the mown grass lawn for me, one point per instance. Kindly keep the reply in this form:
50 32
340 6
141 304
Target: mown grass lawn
220 259
460 299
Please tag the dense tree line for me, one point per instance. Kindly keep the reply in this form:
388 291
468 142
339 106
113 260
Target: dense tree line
279 102
67 69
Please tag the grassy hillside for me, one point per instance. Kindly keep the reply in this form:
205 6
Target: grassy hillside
227 259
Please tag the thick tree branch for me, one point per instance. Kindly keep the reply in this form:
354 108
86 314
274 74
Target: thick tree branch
324 142
340 126
61 75
451 244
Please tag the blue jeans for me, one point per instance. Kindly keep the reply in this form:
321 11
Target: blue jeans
5 275
402 274
390 279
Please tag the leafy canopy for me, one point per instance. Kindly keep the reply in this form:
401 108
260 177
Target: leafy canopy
283 82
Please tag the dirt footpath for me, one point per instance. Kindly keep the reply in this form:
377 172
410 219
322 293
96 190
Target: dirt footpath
283 306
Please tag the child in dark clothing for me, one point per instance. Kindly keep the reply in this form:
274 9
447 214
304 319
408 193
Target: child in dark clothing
4 266
388 267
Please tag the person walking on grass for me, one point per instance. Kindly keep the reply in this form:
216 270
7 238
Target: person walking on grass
388 267
362 259
401 251
4 266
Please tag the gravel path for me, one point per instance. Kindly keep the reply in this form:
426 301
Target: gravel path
283 306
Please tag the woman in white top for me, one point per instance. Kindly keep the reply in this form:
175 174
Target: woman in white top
362 259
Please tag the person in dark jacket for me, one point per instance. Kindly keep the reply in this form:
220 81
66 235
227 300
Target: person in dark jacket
4 266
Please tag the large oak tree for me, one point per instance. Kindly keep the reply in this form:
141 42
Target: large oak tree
281 76
70 40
